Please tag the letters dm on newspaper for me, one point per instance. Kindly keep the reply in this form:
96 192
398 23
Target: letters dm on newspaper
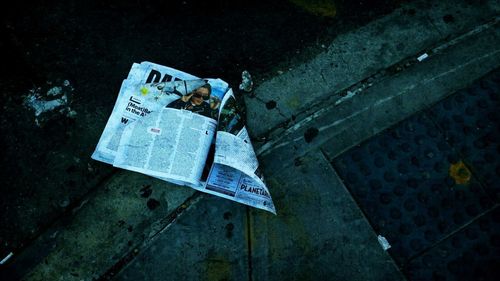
186 130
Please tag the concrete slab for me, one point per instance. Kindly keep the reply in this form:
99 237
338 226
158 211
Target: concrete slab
354 56
319 232
208 242
337 127
124 214
458 16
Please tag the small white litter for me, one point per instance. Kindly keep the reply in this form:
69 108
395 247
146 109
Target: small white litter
422 57
383 242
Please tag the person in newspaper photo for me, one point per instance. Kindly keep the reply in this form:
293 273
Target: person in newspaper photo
230 119
199 101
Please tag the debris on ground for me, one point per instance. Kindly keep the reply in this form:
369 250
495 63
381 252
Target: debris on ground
50 103
383 242
246 81
422 57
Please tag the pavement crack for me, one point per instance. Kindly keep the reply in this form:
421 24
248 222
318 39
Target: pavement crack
249 244
275 107
158 229
323 76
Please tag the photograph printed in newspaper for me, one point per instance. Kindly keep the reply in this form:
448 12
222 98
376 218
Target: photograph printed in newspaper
182 129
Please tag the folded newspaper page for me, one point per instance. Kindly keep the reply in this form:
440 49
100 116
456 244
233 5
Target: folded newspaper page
186 130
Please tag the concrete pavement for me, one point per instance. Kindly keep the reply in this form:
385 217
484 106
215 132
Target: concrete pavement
356 56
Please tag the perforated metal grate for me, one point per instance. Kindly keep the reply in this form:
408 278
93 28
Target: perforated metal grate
429 176
401 180
470 122
471 254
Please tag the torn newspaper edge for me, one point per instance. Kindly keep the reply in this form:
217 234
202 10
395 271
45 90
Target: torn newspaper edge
182 129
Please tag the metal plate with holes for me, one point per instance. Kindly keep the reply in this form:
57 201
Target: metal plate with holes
471 254
430 175
470 121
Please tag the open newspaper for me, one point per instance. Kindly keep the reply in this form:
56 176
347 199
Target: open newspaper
182 129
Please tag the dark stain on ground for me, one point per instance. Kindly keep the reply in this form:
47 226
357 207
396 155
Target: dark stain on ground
71 169
153 204
146 191
310 134
410 12
229 230
297 161
227 215
448 18
270 105
70 183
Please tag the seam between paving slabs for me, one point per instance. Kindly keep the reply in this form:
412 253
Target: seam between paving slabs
272 137
163 225
249 243
276 108
435 244
365 217
47 233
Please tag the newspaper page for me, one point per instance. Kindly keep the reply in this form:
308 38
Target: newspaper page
172 143
167 124
145 72
169 144
235 173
